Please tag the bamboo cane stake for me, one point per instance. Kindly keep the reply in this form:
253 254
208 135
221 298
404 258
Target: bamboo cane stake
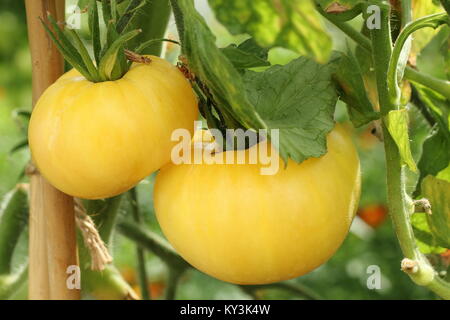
52 219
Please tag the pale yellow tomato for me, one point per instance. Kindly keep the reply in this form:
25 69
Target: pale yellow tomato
237 225
97 140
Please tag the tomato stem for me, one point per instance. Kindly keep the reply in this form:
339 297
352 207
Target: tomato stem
400 205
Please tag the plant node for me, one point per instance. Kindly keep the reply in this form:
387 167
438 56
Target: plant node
409 266
422 205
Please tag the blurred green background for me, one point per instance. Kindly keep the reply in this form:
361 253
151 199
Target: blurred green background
371 242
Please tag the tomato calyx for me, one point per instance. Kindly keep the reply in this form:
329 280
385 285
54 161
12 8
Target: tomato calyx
112 57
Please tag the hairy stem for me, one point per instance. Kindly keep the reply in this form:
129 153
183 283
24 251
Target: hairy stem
400 205
178 19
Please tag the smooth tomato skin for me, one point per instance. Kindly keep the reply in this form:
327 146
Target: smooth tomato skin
97 140
245 228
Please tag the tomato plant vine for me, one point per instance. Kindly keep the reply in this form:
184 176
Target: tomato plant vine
109 123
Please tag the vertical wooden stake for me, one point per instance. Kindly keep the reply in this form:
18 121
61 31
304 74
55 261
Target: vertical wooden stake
52 220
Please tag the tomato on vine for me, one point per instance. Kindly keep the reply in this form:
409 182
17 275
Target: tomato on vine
237 225
100 129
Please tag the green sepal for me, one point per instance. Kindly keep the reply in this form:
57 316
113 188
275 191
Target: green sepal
66 48
94 27
109 62
84 55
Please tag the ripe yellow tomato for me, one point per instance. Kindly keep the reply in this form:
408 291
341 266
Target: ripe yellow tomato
97 140
239 226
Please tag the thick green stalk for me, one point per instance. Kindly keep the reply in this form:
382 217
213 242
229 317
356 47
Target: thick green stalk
400 205
178 19
106 285
446 5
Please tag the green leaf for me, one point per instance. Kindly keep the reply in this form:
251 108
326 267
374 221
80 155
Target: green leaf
421 9
106 11
435 57
438 193
299 99
444 174
446 5
247 55
130 11
438 106
212 67
353 92
94 27
84 54
435 155
66 48
13 219
292 24
111 36
426 242
19 146
397 124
